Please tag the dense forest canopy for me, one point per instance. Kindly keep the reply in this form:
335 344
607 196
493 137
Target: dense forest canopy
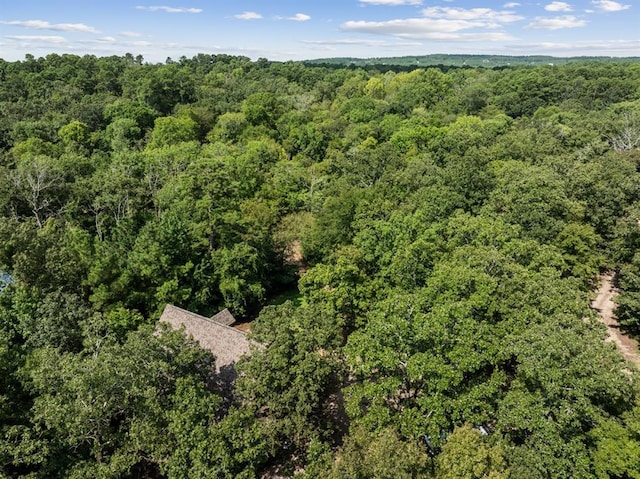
419 248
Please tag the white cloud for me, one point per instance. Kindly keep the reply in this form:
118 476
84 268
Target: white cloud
37 38
131 34
248 16
558 7
42 25
443 24
426 29
472 37
410 27
298 17
511 5
556 23
163 8
492 17
609 5
366 43
391 2
116 43
138 44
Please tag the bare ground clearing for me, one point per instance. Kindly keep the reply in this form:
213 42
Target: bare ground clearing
605 306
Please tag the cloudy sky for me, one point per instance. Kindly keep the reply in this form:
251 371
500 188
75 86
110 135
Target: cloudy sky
306 29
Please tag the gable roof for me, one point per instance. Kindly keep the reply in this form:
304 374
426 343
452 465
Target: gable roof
226 343
224 317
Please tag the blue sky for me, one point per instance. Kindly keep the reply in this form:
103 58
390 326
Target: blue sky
306 29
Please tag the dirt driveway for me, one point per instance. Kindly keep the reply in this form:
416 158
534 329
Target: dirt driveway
605 305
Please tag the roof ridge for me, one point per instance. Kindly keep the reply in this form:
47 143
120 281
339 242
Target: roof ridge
210 320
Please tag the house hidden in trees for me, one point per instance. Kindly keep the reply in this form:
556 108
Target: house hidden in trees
214 334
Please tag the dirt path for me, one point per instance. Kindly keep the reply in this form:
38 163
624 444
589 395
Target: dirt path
293 256
605 306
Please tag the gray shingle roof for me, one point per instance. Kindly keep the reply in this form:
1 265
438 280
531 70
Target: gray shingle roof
226 343
224 317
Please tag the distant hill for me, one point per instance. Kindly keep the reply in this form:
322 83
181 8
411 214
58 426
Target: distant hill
487 61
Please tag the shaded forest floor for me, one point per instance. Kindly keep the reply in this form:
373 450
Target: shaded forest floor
294 258
605 305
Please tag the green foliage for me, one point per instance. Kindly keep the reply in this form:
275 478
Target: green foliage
121 133
162 88
617 444
75 136
103 412
228 127
419 88
578 244
466 455
204 447
140 112
262 109
291 380
333 224
239 272
443 225
171 130
628 310
559 396
51 319
342 285
533 197
382 455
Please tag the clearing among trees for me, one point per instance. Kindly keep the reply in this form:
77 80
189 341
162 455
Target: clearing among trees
605 305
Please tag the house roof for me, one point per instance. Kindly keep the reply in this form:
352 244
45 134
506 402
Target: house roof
224 317
226 343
